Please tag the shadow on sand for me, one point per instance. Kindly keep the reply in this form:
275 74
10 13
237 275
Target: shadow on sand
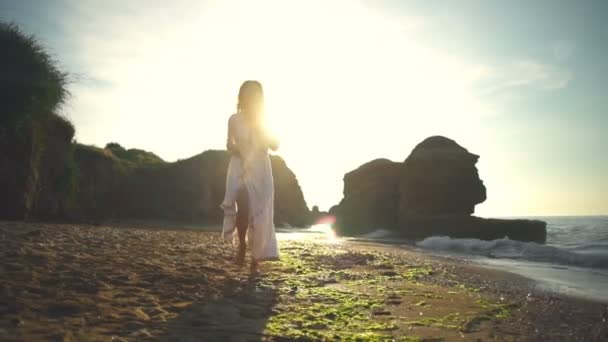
239 313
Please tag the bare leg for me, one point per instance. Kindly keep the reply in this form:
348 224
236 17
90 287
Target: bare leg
254 266
242 223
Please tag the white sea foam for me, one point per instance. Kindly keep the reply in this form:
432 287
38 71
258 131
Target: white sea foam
512 249
376 234
574 260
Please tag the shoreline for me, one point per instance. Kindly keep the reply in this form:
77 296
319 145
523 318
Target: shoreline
514 267
499 278
74 282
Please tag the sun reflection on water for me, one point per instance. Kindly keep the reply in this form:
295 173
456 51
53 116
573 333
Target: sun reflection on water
321 231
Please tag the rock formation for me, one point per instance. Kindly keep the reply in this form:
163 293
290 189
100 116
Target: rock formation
371 197
434 192
289 205
439 178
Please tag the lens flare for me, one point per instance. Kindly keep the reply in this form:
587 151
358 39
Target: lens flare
326 230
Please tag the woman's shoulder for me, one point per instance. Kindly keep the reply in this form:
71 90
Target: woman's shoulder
234 117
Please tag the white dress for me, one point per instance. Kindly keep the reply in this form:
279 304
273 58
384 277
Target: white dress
251 170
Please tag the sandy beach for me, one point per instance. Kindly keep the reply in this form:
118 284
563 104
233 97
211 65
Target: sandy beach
132 283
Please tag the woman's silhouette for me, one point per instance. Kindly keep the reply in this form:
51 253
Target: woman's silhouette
249 177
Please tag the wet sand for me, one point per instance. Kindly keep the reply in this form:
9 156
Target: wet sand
106 283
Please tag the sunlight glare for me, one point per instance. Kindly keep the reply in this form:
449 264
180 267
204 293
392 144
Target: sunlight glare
336 95
326 230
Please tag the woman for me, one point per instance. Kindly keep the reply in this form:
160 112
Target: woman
250 173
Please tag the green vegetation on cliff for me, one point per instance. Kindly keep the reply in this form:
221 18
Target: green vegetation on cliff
32 84
36 168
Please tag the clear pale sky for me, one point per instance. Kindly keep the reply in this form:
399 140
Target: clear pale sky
521 83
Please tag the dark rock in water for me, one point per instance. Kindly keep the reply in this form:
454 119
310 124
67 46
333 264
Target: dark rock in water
371 197
474 227
434 192
440 178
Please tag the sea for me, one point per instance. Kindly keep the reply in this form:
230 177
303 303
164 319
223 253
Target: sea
573 261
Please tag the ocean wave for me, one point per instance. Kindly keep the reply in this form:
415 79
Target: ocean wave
507 248
377 234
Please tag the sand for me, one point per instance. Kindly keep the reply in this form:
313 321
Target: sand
66 282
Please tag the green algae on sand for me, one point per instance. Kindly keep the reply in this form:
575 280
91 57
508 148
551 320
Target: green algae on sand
328 293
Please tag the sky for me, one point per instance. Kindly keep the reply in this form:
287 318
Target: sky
520 83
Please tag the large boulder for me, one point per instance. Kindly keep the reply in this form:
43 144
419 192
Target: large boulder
371 198
440 178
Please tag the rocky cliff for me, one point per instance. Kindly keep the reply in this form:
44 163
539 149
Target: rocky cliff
36 168
139 185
